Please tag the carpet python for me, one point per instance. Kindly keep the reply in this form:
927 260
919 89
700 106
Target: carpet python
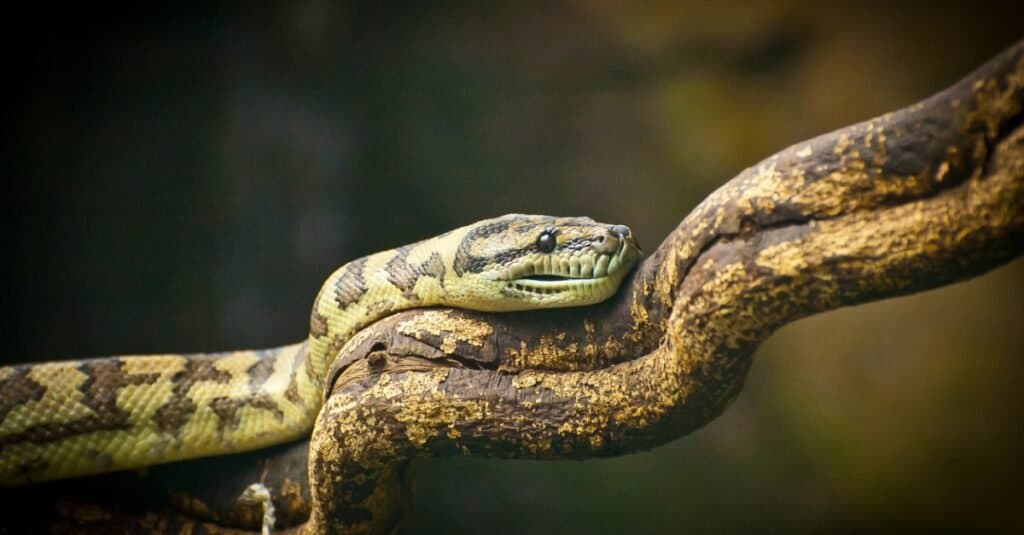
82 417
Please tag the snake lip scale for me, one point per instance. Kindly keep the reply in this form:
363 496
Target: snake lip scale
579 278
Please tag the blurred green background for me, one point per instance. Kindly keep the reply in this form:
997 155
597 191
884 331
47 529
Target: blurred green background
184 179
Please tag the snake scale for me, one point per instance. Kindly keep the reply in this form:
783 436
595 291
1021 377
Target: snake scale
81 417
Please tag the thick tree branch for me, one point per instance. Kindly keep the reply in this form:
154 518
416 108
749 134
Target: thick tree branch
914 199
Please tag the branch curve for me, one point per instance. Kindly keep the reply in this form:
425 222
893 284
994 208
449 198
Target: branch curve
911 200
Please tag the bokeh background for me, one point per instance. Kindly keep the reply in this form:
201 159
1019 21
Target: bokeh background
184 178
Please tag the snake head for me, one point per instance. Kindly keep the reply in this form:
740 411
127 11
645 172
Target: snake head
517 262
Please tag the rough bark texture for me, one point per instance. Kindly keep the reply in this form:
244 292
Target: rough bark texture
911 200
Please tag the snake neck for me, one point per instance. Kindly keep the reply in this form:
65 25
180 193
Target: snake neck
367 289
76 418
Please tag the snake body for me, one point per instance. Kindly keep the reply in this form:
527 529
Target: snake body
81 417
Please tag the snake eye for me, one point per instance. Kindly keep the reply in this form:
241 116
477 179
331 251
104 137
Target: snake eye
546 242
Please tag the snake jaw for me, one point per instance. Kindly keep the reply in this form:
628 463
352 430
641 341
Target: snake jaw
550 281
582 286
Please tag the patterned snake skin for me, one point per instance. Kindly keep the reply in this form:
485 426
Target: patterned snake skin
81 417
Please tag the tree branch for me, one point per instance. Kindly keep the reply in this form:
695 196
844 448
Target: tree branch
911 200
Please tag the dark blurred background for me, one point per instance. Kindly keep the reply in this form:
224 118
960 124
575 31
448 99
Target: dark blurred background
183 179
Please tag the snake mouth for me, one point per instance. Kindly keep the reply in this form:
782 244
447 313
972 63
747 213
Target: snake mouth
545 278
555 276
553 284
550 283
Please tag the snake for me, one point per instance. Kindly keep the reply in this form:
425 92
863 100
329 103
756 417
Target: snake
75 418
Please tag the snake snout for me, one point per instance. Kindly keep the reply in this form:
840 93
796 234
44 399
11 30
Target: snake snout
611 240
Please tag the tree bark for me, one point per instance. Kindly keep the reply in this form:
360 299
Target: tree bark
908 201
